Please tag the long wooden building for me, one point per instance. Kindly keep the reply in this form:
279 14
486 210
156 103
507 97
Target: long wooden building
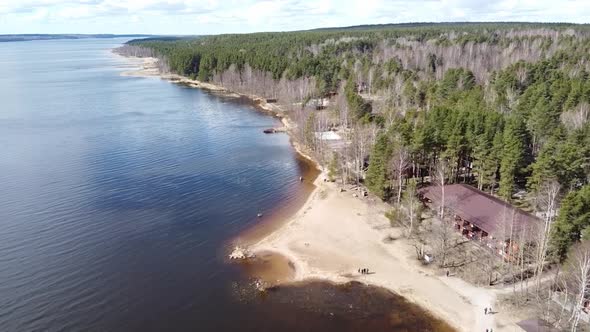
482 217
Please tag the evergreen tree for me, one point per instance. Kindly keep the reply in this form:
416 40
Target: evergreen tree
513 155
573 220
377 178
545 166
358 107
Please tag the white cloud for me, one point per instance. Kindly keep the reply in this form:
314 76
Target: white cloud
215 16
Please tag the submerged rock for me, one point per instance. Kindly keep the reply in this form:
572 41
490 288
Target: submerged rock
241 253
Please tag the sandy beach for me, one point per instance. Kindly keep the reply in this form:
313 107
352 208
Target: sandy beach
334 234
147 67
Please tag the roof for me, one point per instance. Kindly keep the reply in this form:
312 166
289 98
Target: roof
485 211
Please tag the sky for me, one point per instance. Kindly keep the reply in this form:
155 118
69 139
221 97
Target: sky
199 17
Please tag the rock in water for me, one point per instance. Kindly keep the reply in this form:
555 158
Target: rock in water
259 285
240 253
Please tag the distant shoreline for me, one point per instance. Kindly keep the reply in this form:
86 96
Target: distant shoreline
33 37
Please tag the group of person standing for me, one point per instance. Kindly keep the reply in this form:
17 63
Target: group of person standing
364 271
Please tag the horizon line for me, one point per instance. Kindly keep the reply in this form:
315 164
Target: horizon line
383 25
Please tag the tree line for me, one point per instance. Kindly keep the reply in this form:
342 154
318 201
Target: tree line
504 106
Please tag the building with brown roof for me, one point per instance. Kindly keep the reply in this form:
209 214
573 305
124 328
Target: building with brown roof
482 217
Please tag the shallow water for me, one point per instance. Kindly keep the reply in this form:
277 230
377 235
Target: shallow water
351 307
119 193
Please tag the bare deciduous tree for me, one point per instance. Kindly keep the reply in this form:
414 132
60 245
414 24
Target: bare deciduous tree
439 179
547 202
412 205
577 117
443 232
342 106
579 272
362 137
398 164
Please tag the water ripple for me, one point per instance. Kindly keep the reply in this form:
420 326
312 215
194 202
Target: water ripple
118 193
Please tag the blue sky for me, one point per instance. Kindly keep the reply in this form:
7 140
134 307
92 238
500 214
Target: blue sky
229 16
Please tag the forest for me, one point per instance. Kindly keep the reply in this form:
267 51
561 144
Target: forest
501 106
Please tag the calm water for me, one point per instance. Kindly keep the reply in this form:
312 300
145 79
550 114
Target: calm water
117 195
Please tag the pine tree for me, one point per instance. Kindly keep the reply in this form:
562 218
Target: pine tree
573 221
544 167
513 155
481 153
377 178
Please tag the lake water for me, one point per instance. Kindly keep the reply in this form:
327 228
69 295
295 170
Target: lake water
118 196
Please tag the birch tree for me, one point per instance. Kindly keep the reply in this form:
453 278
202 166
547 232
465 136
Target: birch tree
361 140
412 204
399 163
443 232
547 202
439 177
579 264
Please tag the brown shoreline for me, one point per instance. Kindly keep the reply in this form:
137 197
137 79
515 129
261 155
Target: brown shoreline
270 266
278 271
267 268
329 237
280 215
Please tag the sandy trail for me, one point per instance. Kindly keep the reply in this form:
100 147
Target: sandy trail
334 234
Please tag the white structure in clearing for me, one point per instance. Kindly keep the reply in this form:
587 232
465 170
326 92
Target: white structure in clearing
328 136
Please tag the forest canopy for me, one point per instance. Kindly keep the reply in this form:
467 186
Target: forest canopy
504 106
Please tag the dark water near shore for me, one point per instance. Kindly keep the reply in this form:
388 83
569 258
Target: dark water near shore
117 195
